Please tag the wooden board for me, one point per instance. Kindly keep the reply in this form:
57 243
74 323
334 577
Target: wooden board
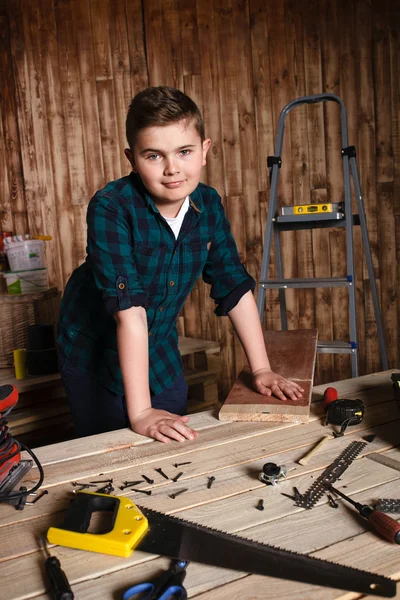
292 355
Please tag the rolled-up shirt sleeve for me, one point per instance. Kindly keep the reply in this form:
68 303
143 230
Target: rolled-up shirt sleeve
110 252
224 270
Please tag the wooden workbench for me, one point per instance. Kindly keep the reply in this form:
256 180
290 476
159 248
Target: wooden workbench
234 453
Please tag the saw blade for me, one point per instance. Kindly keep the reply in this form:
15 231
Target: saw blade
384 460
180 539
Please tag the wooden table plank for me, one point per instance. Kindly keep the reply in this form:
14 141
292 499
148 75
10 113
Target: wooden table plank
235 454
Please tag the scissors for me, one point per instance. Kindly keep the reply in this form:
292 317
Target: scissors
168 586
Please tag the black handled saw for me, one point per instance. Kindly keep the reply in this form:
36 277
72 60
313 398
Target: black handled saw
150 531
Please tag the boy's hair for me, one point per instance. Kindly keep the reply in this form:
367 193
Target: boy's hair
158 106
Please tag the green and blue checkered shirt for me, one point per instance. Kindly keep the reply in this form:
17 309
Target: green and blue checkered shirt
133 259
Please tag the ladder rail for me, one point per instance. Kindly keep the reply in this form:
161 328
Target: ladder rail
370 267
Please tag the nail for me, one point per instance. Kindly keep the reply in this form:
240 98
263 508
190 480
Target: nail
148 479
75 483
332 502
101 481
210 481
176 465
175 479
147 492
162 473
130 483
260 505
173 496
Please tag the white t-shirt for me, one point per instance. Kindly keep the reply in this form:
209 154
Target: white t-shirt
176 222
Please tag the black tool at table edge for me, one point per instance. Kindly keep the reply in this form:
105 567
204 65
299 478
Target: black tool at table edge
380 522
59 584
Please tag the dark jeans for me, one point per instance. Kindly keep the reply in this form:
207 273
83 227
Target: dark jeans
95 409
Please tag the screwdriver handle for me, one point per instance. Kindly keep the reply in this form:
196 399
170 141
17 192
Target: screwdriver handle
386 526
59 585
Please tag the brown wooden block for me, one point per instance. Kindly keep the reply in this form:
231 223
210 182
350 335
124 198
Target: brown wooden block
292 355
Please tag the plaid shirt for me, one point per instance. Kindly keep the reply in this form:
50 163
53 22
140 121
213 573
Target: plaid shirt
133 259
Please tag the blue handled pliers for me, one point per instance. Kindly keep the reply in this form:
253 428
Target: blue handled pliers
169 586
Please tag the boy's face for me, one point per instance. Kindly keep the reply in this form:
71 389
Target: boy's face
169 161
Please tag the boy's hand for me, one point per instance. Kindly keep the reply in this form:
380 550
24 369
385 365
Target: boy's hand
163 426
267 382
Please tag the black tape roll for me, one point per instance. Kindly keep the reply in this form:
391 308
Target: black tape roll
40 337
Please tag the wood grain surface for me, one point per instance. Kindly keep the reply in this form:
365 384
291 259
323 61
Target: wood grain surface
234 454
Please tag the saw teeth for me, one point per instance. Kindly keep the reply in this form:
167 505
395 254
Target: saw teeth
259 545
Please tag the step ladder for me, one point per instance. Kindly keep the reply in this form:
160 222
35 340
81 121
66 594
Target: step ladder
336 216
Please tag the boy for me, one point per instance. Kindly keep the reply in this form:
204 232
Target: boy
150 236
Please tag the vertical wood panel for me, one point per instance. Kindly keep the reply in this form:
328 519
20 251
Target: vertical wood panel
70 68
282 93
304 154
329 25
366 155
228 97
81 18
103 21
122 90
60 202
212 120
13 203
137 53
210 84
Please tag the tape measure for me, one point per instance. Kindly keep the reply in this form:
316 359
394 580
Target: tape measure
342 412
345 413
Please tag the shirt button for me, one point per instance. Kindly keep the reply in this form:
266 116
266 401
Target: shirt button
171 283
150 333
121 286
161 308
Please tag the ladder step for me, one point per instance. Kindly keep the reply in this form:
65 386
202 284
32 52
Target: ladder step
314 282
336 347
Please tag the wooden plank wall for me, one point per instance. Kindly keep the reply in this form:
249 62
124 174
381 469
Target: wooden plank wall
70 67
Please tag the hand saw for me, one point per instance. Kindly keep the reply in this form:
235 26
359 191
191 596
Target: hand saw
157 533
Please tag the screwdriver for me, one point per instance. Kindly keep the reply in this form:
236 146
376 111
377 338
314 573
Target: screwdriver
381 522
59 584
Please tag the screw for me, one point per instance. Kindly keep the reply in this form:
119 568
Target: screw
176 465
175 479
102 481
260 505
37 498
83 485
332 502
147 492
129 483
210 481
173 496
148 479
162 473
297 495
